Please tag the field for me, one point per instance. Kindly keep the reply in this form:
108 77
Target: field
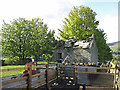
115 46
12 66
10 73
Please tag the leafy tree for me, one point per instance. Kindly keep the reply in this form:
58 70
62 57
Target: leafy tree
81 24
104 52
50 41
42 41
27 38
38 37
15 37
116 54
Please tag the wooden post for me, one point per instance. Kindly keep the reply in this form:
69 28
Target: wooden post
115 77
62 71
119 71
108 70
75 77
29 77
86 69
57 72
102 66
46 76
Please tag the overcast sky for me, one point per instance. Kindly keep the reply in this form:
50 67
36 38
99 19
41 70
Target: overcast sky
54 11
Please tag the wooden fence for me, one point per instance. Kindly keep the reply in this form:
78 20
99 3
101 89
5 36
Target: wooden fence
48 76
74 72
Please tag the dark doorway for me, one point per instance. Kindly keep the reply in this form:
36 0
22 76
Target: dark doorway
59 55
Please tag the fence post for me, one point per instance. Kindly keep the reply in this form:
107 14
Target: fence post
86 69
29 77
118 83
57 72
46 76
115 77
75 78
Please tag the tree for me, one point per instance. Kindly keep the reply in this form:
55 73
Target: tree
81 24
15 37
26 38
104 52
38 37
42 41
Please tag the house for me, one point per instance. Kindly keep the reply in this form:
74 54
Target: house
80 51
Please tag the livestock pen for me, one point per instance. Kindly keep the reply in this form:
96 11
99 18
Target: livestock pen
65 76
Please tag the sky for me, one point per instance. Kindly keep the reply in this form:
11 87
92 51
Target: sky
53 13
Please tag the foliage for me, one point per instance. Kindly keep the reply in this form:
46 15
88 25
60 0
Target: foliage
11 59
116 52
14 39
81 24
116 57
115 61
27 38
104 52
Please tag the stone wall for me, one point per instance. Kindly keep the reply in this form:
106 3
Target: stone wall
77 54
94 53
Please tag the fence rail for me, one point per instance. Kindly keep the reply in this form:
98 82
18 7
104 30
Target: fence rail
50 74
46 77
21 68
66 70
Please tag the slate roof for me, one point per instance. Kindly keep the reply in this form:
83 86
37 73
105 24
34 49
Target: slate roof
79 43
82 44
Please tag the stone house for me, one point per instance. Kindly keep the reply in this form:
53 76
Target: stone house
80 51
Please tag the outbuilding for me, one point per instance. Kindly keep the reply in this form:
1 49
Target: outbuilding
79 51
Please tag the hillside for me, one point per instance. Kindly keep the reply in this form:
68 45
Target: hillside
114 46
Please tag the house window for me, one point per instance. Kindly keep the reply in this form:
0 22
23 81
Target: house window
59 55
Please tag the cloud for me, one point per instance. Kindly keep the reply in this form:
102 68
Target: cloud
52 11
101 0
110 25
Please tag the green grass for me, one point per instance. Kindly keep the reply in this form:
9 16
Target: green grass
40 62
16 72
115 47
10 73
13 66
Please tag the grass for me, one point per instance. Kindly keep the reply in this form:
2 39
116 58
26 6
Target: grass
42 62
12 66
115 47
10 73
16 72
45 62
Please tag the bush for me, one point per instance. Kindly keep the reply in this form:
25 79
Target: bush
11 60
